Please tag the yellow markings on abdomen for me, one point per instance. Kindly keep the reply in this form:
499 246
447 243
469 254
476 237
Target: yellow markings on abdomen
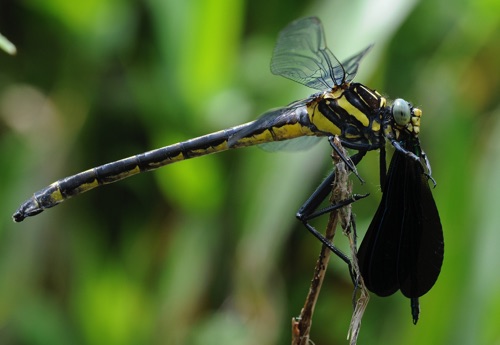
207 150
87 186
120 176
56 195
177 158
290 131
276 133
168 160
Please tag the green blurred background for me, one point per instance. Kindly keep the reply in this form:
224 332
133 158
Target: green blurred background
208 251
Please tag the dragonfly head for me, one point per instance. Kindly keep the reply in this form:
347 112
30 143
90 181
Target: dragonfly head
406 118
401 126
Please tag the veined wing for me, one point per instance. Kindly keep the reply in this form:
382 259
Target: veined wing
301 55
292 145
351 65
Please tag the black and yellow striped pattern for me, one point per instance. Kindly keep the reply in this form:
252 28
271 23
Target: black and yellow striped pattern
351 112
356 114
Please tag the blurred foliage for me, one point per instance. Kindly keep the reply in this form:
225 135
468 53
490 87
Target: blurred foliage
208 251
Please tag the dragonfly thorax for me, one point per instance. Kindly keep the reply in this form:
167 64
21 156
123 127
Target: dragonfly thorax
351 111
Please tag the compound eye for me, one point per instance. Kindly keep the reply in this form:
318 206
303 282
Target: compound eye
401 112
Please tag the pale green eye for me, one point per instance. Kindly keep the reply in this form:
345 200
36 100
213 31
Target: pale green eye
401 112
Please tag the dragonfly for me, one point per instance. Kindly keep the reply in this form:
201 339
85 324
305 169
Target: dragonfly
359 116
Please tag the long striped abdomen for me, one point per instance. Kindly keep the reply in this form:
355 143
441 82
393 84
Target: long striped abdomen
281 128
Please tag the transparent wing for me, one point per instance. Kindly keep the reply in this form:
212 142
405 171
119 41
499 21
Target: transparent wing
296 144
351 65
301 55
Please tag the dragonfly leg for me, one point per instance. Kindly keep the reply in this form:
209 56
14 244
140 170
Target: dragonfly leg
347 160
427 171
309 210
428 166
400 148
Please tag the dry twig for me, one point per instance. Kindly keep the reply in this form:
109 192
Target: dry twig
341 190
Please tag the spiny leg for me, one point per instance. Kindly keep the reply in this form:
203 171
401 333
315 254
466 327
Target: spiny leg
347 160
309 210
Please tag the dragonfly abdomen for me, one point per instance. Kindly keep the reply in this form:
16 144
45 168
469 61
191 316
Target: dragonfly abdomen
74 185
278 129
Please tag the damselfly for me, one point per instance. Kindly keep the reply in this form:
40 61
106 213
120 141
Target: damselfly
403 248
